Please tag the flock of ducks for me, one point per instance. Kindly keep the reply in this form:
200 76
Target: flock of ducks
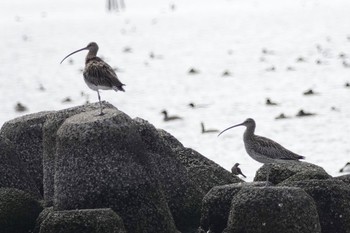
268 102
166 118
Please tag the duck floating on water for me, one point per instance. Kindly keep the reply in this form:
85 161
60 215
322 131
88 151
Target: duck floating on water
170 118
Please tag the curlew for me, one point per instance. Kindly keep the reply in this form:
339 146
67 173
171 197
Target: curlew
98 75
208 130
262 149
236 170
170 118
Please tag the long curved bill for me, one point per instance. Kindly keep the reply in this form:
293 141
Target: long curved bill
229 128
73 53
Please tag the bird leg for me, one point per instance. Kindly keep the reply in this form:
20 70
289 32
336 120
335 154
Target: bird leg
268 165
99 100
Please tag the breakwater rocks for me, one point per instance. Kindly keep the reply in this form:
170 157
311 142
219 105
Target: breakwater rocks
112 173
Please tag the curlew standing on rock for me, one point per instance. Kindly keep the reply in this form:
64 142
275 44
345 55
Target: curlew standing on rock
98 75
262 149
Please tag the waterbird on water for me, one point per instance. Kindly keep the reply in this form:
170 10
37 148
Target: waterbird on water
262 149
98 75
193 105
281 116
170 118
309 92
20 107
208 130
269 102
302 113
236 170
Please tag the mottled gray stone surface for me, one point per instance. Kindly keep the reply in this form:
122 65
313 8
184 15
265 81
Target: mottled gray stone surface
101 161
18 211
83 221
150 154
272 209
293 171
183 196
83 160
344 178
26 135
202 171
52 123
13 174
332 198
42 216
216 205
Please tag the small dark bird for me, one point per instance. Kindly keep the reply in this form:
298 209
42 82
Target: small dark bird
193 71
208 130
20 107
309 92
172 7
193 105
347 85
226 73
270 103
127 49
98 75
66 100
290 68
70 61
271 69
262 149
342 55
41 87
281 116
236 170
302 113
300 59
152 55
335 109
319 62
346 168
170 118
266 51
346 64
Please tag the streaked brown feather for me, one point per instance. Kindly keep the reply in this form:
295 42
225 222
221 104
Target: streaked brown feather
99 73
274 150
